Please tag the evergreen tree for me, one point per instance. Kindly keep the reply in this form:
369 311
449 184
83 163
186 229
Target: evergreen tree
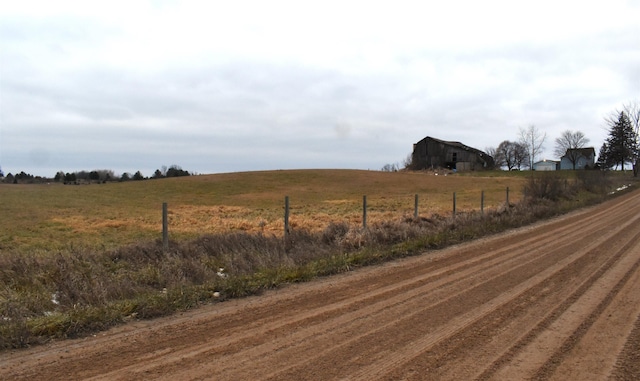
621 143
604 157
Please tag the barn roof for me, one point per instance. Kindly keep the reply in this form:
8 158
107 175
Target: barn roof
455 144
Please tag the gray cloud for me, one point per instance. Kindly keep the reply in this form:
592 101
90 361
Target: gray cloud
92 91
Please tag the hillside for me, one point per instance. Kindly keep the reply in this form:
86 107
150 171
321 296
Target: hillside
54 216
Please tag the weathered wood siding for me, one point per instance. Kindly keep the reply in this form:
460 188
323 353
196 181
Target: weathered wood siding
430 153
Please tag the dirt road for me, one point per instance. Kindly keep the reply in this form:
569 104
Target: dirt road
559 300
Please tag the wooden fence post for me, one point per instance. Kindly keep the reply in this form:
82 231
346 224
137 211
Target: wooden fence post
165 227
508 197
415 207
364 211
286 218
482 202
454 203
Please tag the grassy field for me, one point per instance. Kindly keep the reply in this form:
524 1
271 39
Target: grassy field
78 259
56 217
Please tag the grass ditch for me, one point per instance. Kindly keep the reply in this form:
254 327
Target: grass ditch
80 290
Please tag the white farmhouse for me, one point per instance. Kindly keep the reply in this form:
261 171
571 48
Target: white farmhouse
579 158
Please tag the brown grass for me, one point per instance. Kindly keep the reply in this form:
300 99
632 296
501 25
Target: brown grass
49 217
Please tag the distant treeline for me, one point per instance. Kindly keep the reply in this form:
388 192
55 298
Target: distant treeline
95 176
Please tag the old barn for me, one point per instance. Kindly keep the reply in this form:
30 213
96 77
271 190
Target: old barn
432 153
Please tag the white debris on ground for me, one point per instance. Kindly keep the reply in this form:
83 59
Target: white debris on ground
620 188
222 275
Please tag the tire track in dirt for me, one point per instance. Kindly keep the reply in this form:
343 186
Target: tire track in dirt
622 249
587 320
465 324
610 330
508 323
491 299
535 349
333 332
628 365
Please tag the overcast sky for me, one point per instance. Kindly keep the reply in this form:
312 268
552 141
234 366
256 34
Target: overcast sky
225 86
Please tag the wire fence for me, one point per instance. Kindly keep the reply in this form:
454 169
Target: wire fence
365 208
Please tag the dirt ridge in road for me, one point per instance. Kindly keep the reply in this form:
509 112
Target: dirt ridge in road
531 303
543 327
573 339
511 295
622 307
629 359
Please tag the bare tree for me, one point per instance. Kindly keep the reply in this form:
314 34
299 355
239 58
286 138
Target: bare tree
493 152
511 154
408 163
632 110
569 144
390 168
533 139
504 155
520 155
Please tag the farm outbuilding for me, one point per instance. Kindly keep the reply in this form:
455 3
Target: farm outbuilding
545 165
432 153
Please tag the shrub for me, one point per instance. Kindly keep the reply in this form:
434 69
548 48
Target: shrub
547 187
597 182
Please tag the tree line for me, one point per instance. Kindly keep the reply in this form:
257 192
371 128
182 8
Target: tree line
95 176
